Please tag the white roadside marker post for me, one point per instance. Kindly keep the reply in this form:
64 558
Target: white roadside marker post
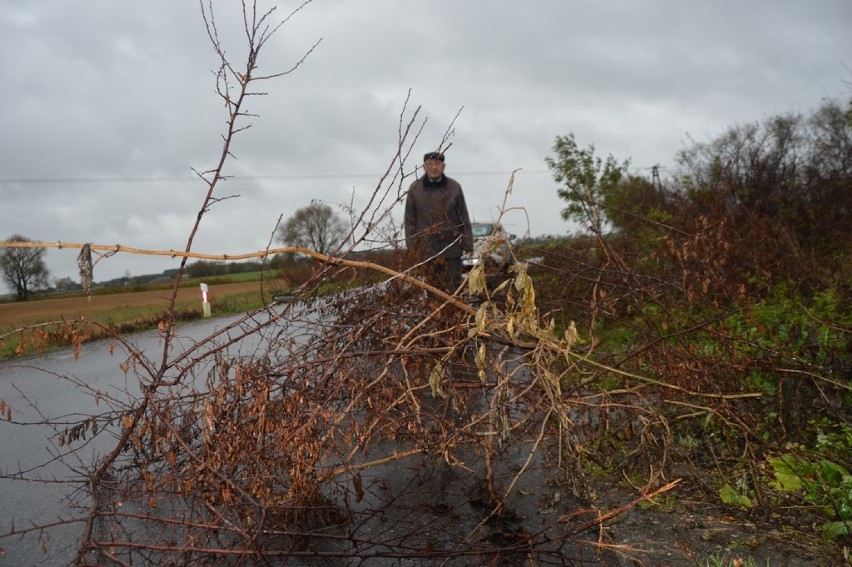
205 304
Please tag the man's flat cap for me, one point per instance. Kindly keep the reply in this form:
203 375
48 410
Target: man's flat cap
433 155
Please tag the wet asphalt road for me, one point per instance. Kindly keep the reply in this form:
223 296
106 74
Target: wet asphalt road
50 387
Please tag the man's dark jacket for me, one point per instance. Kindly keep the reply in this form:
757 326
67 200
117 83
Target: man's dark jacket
436 219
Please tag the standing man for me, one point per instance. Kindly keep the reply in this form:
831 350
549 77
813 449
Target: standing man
437 225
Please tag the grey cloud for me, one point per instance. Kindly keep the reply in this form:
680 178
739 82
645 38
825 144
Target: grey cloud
100 89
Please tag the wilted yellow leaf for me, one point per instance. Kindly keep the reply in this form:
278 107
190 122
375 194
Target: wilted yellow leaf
435 378
480 362
521 280
553 380
572 336
476 280
482 317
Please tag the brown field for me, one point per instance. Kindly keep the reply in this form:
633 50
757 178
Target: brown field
20 314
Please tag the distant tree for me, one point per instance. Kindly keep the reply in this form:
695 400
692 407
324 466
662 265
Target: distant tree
637 203
586 181
205 268
24 270
65 284
279 261
315 227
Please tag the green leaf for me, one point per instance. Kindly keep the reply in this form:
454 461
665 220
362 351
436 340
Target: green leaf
833 530
731 497
786 478
831 472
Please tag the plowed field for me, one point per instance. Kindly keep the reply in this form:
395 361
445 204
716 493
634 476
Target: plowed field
23 313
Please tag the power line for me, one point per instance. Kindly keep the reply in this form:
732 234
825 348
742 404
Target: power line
60 180
308 176
295 176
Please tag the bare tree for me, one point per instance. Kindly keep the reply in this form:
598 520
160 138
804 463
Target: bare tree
316 227
24 270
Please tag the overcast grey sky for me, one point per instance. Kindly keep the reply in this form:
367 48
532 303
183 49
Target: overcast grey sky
108 104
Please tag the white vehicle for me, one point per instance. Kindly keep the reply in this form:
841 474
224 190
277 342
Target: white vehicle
491 245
